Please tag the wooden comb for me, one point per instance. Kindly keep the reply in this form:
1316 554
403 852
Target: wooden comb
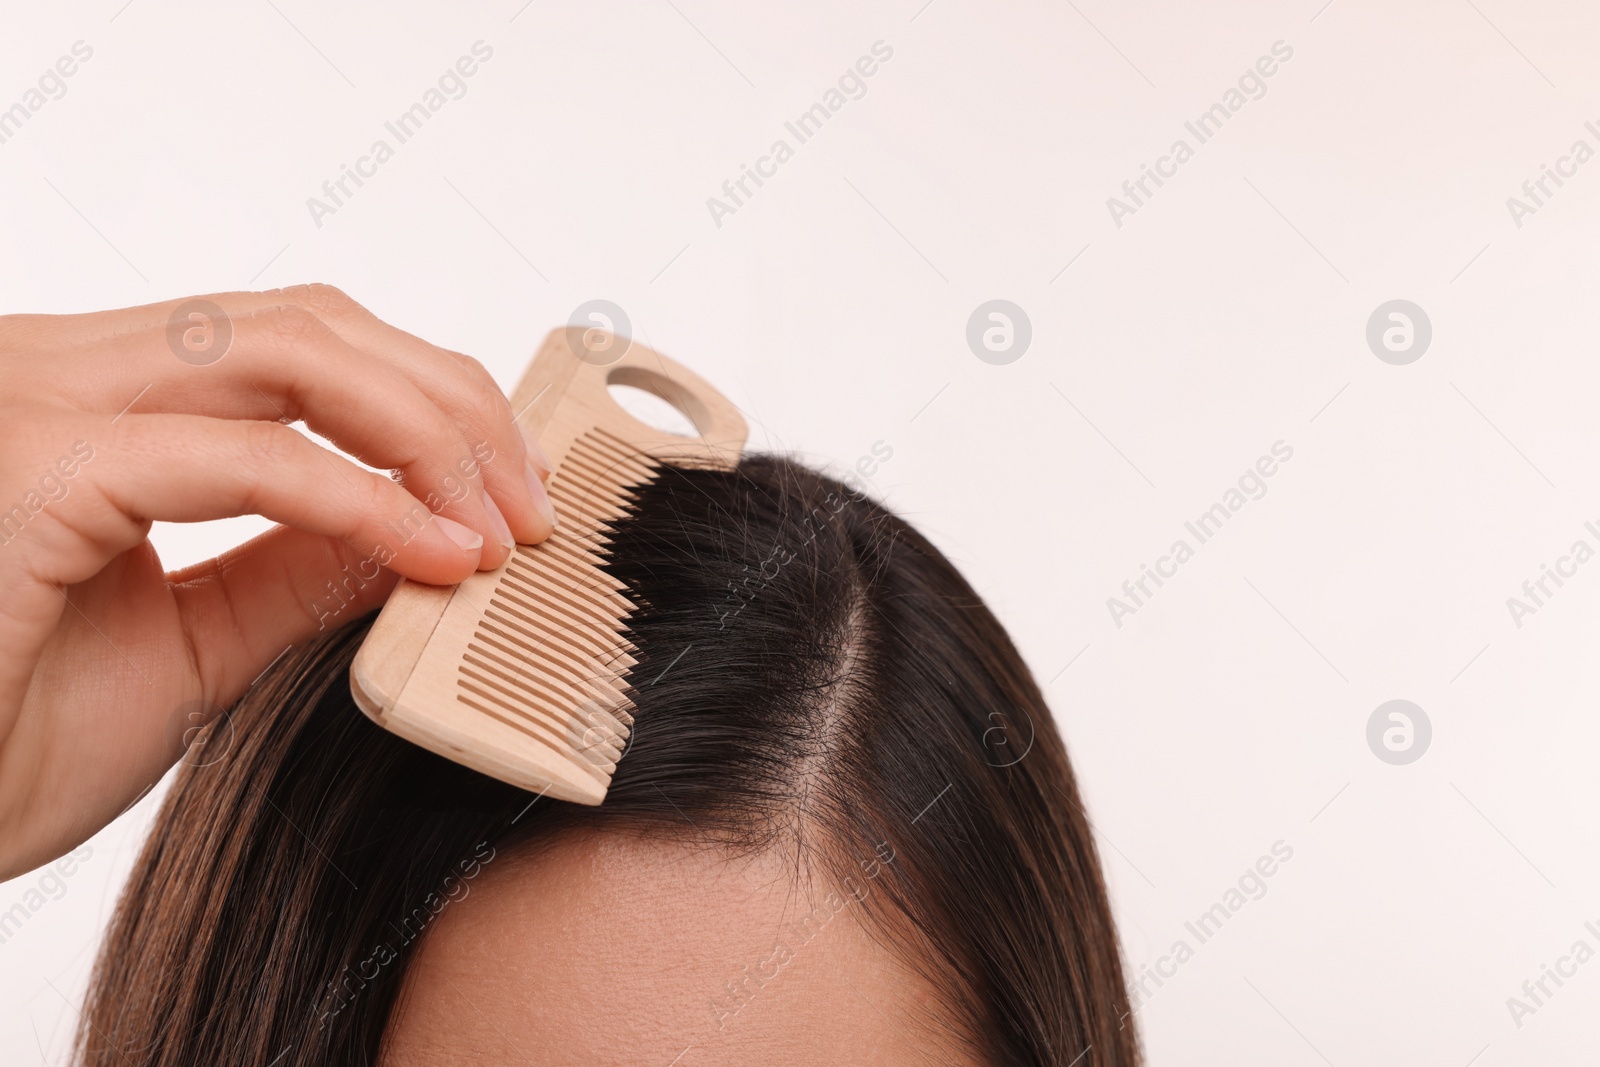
522 672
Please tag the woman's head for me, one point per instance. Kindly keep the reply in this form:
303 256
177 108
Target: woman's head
845 828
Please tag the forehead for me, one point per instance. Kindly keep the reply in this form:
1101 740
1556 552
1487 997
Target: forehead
608 947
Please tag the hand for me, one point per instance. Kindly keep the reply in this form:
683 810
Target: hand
110 421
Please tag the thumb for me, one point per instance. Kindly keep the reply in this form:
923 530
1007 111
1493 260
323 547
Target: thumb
244 608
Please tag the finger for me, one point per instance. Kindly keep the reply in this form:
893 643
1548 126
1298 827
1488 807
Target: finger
294 584
514 468
512 461
284 363
186 468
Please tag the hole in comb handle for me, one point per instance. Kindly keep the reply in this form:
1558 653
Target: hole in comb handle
652 410
663 399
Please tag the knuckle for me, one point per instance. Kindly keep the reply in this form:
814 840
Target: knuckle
324 299
473 367
494 400
290 326
431 435
271 444
485 396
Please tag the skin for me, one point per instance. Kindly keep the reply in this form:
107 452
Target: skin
108 664
602 946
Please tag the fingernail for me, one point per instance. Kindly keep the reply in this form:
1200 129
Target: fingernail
497 523
540 495
537 457
466 537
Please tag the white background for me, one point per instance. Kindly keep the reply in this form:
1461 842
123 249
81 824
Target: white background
1228 313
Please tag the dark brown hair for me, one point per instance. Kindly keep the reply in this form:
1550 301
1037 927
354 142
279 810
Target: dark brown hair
813 675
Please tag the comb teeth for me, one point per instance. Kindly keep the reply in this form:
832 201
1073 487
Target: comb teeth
521 673
549 657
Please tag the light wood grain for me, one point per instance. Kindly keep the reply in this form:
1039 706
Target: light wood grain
521 672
